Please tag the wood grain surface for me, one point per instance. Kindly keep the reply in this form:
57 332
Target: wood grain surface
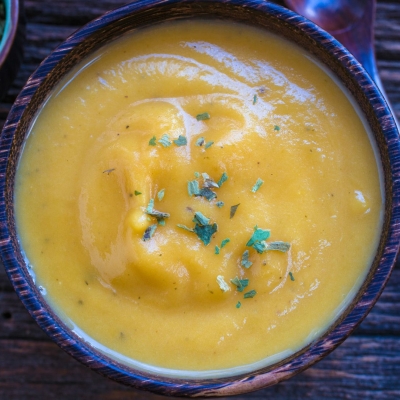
365 366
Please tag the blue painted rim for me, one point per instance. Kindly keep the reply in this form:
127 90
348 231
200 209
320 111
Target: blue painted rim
49 322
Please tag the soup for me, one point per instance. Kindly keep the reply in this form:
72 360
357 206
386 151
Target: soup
199 196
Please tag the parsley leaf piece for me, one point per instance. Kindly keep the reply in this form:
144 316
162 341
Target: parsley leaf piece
240 283
208 144
161 222
257 185
278 245
185 227
255 99
208 182
137 193
158 214
219 204
277 128
152 141
160 194
150 206
149 232
223 179
238 304
260 247
200 141
108 171
225 242
233 210
250 295
222 284
197 174
205 232
203 116
207 193
193 188
181 141
258 236
245 260
165 140
291 276
217 249
199 218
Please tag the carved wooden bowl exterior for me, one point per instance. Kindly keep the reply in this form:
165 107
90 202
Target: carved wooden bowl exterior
257 13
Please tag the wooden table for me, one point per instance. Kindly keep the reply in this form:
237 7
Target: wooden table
365 366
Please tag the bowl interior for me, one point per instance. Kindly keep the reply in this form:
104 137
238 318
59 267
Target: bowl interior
143 13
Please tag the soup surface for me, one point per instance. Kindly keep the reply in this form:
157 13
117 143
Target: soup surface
199 196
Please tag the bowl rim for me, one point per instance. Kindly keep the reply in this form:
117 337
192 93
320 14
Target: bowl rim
255 380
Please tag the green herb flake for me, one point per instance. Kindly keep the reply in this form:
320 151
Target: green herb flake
108 171
217 249
233 210
152 141
208 144
150 206
277 128
222 284
257 185
158 214
199 218
193 188
161 194
137 193
278 245
205 232
238 304
197 174
223 179
181 141
258 236
250 295
185 227
240 283
165 140
291 276
200 141
149 232
255 99
161 222
203 116
219 204
207 193
245 260
225 242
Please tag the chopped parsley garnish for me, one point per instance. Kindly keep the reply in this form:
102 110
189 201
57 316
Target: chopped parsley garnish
250 295
245 260
150 206
258 236
185 227
165 140
207 193
193 188
208 182
291 276
137 193
203 116
240 283
208 144
233 210
108 171
258 242
161 222
152 141
255 99
222 284
160 194
219 204
277 128
205 232
217 249
223 179
197 174
225 242
257 185
238 304
154 213
278 245
181 141
200 141
149 232
199 218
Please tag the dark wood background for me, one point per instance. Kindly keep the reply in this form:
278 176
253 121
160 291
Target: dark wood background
365 366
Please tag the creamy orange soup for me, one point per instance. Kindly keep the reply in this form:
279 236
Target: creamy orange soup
199 196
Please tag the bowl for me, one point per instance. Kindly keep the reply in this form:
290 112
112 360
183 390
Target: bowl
145 13
11 43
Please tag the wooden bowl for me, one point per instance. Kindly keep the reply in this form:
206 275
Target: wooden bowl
11 44
258 13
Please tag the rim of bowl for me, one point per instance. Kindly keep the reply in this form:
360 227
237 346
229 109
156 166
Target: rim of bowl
17 269
10 28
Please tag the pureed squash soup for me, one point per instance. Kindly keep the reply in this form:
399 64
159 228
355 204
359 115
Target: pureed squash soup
199 196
